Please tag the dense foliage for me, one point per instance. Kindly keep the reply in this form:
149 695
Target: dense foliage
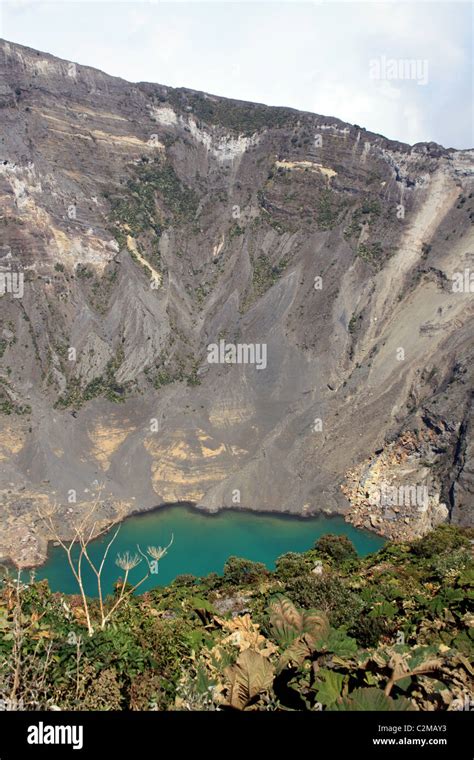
325 631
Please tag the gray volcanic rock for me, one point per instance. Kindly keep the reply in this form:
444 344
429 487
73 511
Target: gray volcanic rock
147 223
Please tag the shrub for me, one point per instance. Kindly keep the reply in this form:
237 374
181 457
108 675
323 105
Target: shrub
372 253
238 570
186 580
84 688
449 566
290 565
102 692
147 692
339 548
327 594
446 538
369 630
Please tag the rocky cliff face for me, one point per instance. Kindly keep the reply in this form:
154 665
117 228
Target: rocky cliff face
141 224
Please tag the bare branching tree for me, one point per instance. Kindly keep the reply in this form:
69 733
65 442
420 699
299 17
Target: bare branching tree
128 562
77 552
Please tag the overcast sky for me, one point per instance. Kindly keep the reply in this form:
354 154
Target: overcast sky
345 59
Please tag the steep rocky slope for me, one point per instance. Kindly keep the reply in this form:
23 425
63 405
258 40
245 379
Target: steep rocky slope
139 224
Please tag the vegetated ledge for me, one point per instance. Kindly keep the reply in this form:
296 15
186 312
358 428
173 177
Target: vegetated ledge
325 631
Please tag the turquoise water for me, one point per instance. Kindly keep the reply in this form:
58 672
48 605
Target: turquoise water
201 545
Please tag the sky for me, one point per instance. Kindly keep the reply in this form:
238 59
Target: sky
401 69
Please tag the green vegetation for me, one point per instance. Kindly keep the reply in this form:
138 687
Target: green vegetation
367 212
326 630
164 377
8 407
354 323
106 385
153 198
204 289
242 118
161 376
370 206
338 548
265 274
136 208
83 272
102 288
372 253
328 210
7 403
160 177
193 378
292 198
235 231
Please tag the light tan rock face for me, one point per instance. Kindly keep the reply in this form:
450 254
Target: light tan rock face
396 493
141 224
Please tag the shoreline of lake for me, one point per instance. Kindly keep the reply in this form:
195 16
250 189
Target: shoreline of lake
202 545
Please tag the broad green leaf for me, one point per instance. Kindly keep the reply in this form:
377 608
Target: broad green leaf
328 686
421 655
404 683
198 603
370 699
385 610
340 643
